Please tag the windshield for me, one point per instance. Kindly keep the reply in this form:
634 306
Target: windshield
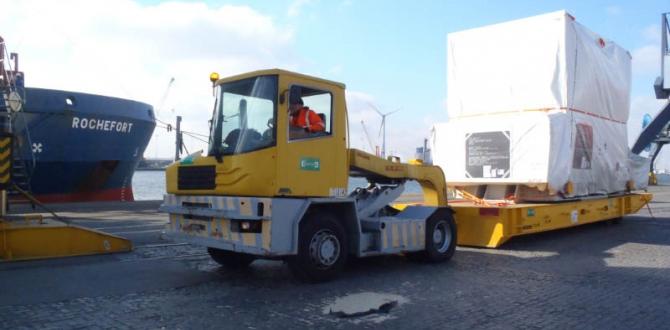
244 116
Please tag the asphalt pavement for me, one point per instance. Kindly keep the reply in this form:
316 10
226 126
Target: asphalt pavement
604 275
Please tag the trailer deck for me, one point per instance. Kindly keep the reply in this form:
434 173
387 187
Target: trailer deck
492 225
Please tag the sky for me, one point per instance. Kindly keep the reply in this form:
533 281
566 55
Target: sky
390 54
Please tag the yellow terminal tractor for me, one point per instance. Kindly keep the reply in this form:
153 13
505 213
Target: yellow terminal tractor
275 185
272 187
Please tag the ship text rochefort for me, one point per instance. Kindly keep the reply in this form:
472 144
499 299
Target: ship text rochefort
101 125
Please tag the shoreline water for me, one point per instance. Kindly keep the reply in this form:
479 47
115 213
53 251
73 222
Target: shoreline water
150 185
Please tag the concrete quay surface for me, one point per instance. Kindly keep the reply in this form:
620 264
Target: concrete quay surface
599 276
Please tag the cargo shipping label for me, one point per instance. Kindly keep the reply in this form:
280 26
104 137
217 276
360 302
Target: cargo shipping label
581 159
487 155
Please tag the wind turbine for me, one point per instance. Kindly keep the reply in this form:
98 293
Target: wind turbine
382 127
365 130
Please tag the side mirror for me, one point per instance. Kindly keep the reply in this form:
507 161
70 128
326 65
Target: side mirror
294 93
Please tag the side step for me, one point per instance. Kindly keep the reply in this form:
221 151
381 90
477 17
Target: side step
35 238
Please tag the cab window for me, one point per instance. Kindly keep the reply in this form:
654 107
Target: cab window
310 113
244 117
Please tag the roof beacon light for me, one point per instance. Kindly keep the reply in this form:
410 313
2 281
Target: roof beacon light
213 77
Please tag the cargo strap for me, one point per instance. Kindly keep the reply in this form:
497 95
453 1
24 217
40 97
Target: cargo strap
473 198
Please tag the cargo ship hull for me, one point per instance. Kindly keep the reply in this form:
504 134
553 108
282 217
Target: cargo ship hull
74 147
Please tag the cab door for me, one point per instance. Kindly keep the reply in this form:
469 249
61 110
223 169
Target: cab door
311 164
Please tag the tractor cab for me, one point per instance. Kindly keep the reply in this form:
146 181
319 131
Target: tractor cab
259 145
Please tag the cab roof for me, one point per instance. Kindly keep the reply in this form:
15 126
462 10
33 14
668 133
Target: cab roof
276 72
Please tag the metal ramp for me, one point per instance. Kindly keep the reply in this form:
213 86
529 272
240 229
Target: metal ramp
657 133
33 237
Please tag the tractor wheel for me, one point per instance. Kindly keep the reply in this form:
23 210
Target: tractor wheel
322 249
440 239
230 259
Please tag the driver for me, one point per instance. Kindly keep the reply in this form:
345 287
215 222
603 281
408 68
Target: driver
304 118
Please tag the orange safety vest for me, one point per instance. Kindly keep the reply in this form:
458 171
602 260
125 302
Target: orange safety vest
307 118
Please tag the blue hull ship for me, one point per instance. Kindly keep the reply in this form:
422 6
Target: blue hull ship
71 146
80 147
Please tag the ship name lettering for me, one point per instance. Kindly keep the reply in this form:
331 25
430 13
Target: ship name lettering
101 125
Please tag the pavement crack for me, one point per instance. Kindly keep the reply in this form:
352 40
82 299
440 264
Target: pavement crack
385 308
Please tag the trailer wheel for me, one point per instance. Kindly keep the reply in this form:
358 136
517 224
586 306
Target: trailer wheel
322 249
440 239
615 221
230 259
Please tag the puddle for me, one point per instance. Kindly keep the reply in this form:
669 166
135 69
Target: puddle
364 304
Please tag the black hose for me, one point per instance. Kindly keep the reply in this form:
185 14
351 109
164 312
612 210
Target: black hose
38 203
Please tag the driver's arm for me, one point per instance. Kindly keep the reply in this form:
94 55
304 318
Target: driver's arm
315 123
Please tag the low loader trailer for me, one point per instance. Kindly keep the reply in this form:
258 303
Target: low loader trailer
270 190
492 225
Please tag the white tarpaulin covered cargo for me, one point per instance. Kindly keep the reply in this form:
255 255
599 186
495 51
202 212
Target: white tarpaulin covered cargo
543 62
540 102
537 149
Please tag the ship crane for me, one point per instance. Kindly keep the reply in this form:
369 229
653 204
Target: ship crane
165 95
168 126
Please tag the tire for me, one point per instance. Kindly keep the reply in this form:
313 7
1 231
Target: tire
230 259
440 239
323 249
615 221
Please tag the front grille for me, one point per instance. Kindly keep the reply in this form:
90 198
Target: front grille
196 177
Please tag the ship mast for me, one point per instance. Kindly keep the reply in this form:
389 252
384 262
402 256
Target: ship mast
3 75
11 97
